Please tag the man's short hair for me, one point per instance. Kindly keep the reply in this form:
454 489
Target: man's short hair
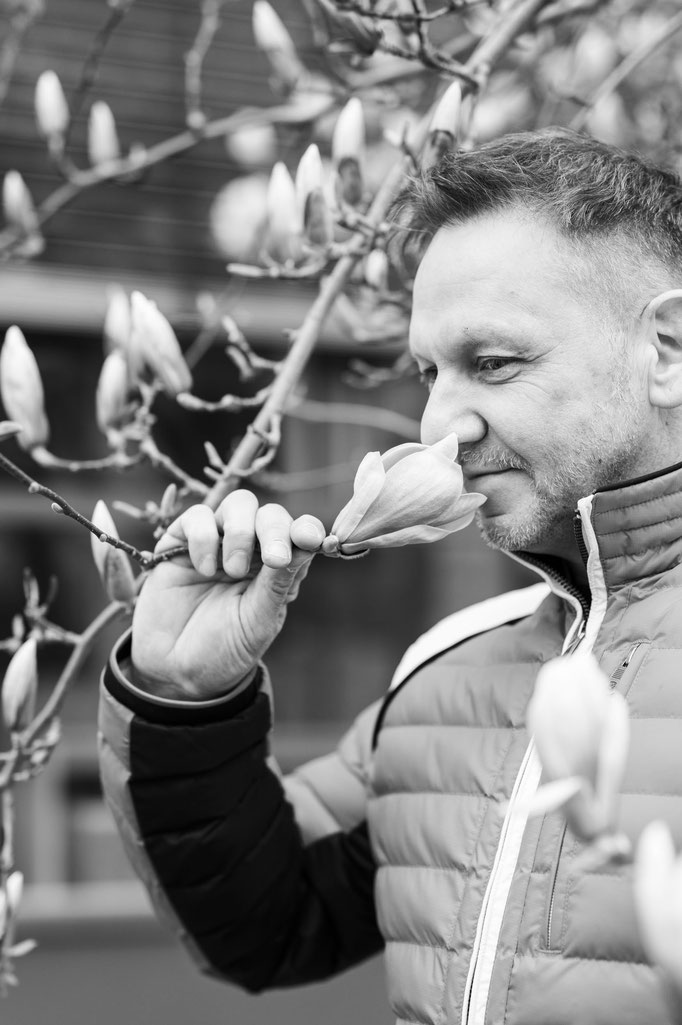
598 197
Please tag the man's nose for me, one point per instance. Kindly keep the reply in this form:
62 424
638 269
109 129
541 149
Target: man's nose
447 413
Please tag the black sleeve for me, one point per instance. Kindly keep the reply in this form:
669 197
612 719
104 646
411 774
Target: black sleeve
264 910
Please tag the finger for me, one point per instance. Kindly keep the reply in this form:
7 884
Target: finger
282 585
273 525
237 517
307 533
197 528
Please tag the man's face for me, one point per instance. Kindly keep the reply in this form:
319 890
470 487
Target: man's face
545 390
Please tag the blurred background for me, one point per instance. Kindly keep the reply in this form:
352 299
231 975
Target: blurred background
169 234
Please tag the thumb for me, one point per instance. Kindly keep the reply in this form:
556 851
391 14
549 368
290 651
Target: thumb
274 588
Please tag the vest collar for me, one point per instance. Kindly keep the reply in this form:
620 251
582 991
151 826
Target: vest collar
626 532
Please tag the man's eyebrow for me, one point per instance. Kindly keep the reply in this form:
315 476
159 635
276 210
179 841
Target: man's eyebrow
482 339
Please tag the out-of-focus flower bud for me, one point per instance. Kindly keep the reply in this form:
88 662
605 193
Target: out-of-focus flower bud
21 389
15 890
348 144
445 126
282 213
315 215
411 494
111 396
253 145
273 39
103 144
154 338
657 884
103 520
237 218
168 506
608 120
52 110
581 731
594 56
117 323
17 203
376 269
20 686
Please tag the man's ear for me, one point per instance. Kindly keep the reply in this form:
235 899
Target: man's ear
664 335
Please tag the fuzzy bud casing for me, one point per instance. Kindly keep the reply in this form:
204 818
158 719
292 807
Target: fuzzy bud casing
52 110
111 394
21 389
103 144
18 204
154 341
19 686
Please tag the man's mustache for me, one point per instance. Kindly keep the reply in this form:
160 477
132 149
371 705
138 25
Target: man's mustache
496 458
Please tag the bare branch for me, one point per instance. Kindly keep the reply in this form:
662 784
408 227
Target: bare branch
20 22
194 61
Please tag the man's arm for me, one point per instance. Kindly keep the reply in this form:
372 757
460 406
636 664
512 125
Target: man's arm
207 826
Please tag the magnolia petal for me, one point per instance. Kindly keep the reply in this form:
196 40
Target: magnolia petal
368 482
398 452
612 755
584 816
447 446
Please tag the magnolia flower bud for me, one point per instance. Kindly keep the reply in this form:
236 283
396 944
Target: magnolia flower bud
154 339
117 324
410 494
118 578
315 215
111 396
657 885
22 390
447 113
103 520
272 37
376 269
17 203
20 686
52 110
348 138
253 145
103 144
581 731
283 223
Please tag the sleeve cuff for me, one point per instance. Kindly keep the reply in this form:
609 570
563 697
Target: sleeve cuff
118 680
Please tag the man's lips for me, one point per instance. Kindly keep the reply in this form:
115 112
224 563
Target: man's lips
485 472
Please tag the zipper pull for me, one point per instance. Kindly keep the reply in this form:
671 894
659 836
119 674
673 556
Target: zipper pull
617 675
576 640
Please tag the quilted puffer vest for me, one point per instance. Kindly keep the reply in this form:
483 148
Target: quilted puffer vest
490 918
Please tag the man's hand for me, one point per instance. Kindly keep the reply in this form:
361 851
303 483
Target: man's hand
202 621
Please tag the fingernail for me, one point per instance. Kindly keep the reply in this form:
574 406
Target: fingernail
237 565
277 551
208 565
311 535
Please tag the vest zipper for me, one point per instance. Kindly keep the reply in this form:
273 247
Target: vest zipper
555 876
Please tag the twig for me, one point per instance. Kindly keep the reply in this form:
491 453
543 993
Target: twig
80 652
60 505
350 413
159 459
92 62
194 61
228 403
627 66
453 7
21 21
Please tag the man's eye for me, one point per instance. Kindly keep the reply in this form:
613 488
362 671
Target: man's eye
497 365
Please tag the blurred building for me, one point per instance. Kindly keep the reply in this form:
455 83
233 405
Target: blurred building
352 621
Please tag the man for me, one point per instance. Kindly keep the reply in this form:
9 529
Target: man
538 331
